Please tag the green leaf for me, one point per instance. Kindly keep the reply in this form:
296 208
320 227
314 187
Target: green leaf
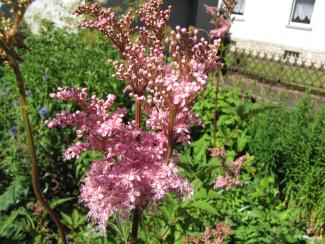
213 195
241 142
201 194
57 202
13 192
203 205
197 183
67 219
8 221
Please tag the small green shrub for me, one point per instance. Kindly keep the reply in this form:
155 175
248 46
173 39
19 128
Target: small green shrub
289 145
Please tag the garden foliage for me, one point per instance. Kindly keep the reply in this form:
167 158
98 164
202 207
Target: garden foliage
290 146
56 59
281 198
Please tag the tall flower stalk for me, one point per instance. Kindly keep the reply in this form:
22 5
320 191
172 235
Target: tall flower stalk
10 39
222 20
138 164
137 211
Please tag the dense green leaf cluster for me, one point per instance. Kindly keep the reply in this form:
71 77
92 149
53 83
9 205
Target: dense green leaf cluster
290 146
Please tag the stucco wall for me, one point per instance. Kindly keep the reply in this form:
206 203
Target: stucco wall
267 21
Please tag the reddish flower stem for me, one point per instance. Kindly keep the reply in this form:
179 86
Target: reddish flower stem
30 143
137 211
138 114
135 225
171 134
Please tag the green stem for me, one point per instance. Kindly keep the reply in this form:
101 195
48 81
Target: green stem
30 143
216 86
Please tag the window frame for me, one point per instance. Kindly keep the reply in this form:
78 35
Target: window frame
297 25
236 16
240 14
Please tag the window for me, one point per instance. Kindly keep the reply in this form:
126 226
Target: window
239 8
302 11
288 53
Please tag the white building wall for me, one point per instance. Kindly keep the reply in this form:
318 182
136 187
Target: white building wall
268 21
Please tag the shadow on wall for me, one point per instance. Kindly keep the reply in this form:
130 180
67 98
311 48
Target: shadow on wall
4 9
184 12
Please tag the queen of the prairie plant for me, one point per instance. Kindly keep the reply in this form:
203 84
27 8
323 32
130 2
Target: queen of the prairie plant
165 90
132 172
231 179
138 165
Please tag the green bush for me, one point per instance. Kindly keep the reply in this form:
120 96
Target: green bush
289 145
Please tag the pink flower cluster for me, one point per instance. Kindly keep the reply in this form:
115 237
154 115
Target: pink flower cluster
227 182
218 153
221 18
159 85
133 171
232 170
136 167
218 234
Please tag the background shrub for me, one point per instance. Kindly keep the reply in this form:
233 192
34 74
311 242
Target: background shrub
289 145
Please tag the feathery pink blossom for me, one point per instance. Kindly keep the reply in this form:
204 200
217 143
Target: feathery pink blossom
231 179
218 152
227 182
133 171
159 85
218 234
221 18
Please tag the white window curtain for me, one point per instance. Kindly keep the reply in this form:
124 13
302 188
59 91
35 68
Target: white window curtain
239 8
303 11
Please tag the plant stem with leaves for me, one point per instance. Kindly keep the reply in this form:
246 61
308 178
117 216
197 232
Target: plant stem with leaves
30 143
11 38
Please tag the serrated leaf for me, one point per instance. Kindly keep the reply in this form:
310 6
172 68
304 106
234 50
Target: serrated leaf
4 225
13 193
67 219
57 202
203 205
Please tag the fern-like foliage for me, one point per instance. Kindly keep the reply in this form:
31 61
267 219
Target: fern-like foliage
13 192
